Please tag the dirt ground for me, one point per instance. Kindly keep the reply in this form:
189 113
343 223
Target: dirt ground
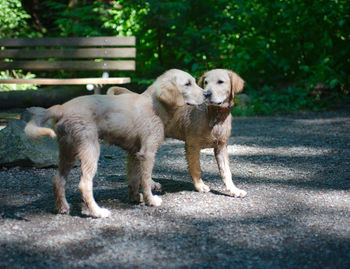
296 170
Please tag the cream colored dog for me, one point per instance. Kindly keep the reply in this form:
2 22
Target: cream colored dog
128 121
205 126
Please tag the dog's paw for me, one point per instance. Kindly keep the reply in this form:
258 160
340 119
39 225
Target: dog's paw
154 201
104 213
136 198
238 193
201 187
156 186
97 212
101 213
63 208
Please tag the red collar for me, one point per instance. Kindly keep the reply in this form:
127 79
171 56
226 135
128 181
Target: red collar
219 116
224 109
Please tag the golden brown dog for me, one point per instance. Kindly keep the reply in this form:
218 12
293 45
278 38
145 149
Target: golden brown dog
205 126
127 121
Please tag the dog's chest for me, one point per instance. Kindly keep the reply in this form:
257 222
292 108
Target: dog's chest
219 134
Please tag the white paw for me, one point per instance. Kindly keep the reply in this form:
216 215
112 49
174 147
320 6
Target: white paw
201 187
238 193
154 201
104 213
97 213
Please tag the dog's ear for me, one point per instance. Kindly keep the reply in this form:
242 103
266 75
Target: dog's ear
201 81
237 83
170 95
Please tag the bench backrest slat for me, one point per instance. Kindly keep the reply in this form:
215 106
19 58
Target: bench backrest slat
104 53
69 65
69 53
106 41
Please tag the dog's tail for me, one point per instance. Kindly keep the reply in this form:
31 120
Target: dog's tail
34 129
118 90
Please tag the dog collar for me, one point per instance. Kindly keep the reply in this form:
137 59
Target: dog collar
218 116
225 109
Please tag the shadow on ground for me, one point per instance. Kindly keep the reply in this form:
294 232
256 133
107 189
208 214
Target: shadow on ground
296 214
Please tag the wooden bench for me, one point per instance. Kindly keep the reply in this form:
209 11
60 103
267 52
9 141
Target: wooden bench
69 53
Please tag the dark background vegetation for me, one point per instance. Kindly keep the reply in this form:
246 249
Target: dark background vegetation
293 54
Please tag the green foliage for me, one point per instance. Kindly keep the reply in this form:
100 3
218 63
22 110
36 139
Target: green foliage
13 23
268 43
16 87
12 18
283 49
269 100
74 20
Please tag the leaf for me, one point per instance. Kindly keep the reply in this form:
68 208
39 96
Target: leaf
333 83
194 67
304 68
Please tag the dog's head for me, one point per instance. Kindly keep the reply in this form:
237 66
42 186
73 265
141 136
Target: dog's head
220 86
177 88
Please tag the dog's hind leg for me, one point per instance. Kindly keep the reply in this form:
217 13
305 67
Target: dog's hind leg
146 159
134 178
66 162
89 152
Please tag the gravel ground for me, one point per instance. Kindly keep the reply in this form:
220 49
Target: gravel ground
296 170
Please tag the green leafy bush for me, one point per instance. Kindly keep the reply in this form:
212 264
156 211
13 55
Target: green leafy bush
16 87
13 23
284 50
13 18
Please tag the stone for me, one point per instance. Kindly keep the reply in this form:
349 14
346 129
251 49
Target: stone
16 149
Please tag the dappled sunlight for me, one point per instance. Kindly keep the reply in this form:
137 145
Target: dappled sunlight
322 121
297 207
300 151
288 227
271 172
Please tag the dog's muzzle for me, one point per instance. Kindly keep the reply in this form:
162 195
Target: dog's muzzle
207 94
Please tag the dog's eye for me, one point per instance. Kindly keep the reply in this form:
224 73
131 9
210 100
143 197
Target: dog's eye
220 82
188 84
205 82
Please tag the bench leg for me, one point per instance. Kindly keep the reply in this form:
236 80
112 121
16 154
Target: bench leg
97 87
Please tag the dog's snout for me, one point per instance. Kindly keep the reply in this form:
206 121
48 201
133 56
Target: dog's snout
207 94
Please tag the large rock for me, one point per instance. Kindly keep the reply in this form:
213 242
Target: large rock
16 149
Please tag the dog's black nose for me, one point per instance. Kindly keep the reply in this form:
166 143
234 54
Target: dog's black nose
207 94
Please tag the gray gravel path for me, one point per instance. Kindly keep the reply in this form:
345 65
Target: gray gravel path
296 170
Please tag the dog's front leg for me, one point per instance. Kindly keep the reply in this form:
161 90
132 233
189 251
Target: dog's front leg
194 168
222 160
